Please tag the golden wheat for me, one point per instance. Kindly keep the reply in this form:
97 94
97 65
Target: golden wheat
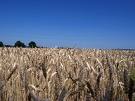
52 74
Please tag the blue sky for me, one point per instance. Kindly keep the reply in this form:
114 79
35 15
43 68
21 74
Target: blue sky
69 23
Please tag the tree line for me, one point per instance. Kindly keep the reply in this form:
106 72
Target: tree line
31 44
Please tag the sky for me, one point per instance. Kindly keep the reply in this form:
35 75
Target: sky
69 23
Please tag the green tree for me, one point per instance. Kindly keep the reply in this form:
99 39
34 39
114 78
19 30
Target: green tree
1 44
19 44
32 44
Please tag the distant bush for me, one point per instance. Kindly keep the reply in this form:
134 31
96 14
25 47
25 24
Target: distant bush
32 44
1 44
8 46
19 44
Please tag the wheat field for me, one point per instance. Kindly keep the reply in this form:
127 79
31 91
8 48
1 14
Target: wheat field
52 74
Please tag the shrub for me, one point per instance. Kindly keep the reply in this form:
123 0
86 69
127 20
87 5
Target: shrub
1 44
19 44
32 44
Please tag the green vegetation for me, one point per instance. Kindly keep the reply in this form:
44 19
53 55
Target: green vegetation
1 44
32 44
19 44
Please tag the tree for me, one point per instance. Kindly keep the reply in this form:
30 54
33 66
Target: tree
32 44
1 44
19 44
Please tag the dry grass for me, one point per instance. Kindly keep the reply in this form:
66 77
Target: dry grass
66 75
